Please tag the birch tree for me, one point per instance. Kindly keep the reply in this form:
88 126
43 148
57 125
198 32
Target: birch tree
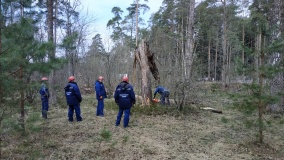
189 50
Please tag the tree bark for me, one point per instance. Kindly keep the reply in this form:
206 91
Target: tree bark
1 83
189 51
224 47
52 52
22 94
216 57
243 50
22 100
261 106
145 59
209 59
190 42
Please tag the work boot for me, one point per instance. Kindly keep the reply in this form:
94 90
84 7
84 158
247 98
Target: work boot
44 114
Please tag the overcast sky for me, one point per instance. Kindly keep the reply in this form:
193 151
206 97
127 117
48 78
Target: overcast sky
101 11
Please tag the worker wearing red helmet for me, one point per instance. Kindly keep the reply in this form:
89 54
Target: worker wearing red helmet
164 93
44 97
100 95
125 98
73 98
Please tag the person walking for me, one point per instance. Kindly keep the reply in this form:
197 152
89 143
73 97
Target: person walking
125 99
44 97
165 93
100 95
73 98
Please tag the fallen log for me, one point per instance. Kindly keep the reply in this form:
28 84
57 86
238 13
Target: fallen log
212 110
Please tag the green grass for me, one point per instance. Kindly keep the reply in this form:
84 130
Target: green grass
157 128
105 135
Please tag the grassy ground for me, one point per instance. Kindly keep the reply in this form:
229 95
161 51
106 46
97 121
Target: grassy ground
156 133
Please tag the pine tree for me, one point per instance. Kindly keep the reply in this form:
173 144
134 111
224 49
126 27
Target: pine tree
255 97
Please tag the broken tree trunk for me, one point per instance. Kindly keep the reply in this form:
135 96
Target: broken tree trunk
145 59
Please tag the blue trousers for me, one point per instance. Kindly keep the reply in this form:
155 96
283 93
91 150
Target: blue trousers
77 112
44 107
126 117
165 97
100 108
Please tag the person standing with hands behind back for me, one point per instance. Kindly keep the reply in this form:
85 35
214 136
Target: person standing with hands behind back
125 98
74 98
100 95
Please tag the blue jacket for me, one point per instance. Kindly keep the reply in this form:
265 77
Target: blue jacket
44 92
124 95
100 90
159 90
72 93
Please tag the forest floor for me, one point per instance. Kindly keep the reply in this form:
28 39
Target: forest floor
155 132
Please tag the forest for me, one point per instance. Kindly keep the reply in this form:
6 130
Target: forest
221 60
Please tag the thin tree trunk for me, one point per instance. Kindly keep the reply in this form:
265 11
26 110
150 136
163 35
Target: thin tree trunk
190 41
256 58
243 50
55 24
11 13
1 83
209 59
22 100
216 58
229 65
52 52
137 7
22 94
261 106
224 46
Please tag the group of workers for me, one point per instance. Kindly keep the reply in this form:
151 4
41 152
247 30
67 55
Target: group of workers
124 97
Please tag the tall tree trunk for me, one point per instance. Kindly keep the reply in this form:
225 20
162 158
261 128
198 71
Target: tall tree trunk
50 24
142 59
70 53
229 65
261 106
12 12
52 52
55 24
189 49
22 99
209 59
22 94
137 7
1 83
224 46
256 58
216 57
190 41
243 50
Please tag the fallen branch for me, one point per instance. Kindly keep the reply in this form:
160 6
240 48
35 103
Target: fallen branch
211 109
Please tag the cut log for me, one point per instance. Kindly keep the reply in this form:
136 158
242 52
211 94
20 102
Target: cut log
212 110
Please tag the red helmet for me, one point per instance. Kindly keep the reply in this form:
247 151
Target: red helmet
101 78
125 79
44 79
71 78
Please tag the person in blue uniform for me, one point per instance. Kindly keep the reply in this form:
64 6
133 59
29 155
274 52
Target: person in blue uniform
125 99
164 92
100 95
73 98
44 97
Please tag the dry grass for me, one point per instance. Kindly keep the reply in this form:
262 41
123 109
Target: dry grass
155 133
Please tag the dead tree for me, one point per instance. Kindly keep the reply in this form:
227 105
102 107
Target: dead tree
145 59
